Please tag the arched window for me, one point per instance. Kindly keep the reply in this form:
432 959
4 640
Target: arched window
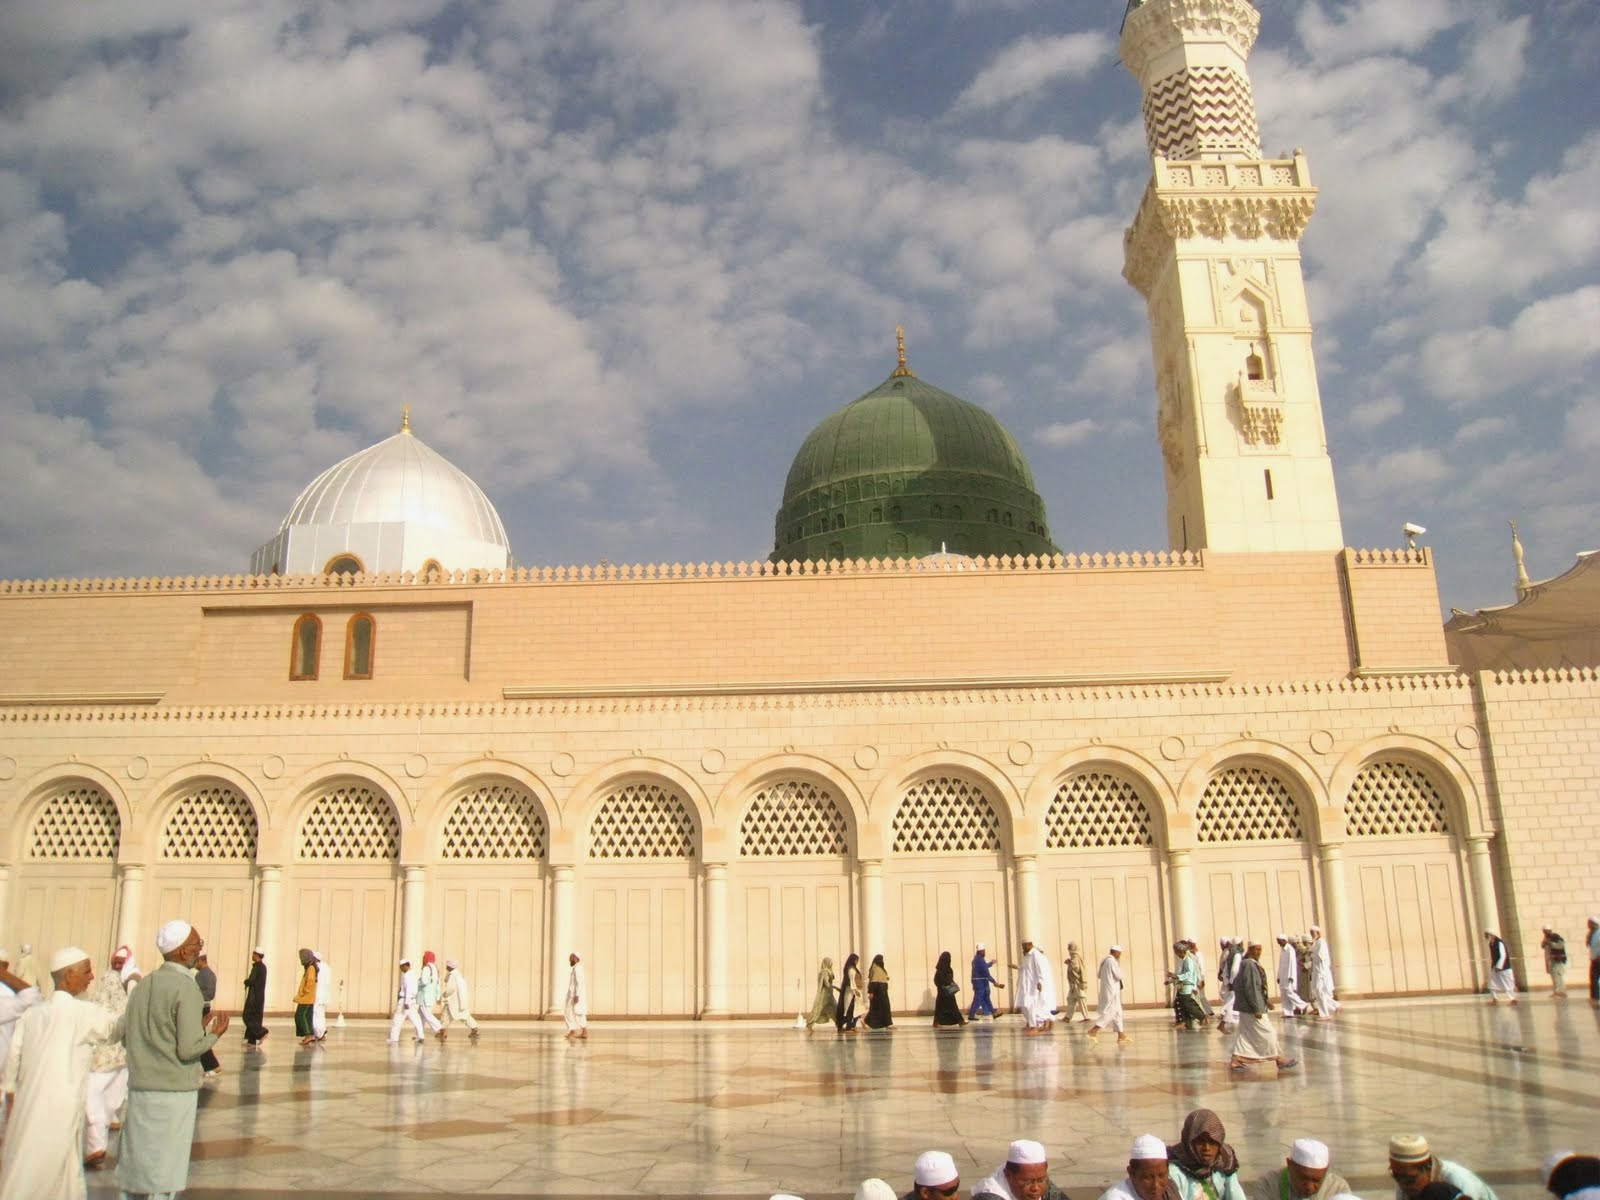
1254 368
343 564
838 520
1007 520
877 514
938 511
305 650
955 513
894 512
431 571
994 516
359 636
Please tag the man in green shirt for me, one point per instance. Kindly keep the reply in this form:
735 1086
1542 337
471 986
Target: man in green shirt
166 1038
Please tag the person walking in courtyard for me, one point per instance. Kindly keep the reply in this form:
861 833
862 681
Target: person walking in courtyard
1502 982
108 1064
1307 1174
319 1010
576 1011
878 1014
1256 1040
305 997
846 1012
48 1073
166 1039
255 1000
405 1004
1555 962
1109 1015
430 989
1077 984
206 980
982 980
1593 942
1289 979
1187 981
945 1009
1203 1166
1227 971
1036 989
822 1004
457 999
1413 1166
1322 984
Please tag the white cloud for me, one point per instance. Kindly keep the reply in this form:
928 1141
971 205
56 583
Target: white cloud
1062 434
1031 64
1547 341
1359 28
1370 414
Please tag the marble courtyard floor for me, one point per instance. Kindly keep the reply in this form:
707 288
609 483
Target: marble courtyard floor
749 1108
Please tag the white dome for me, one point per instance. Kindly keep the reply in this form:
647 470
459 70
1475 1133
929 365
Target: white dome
400 480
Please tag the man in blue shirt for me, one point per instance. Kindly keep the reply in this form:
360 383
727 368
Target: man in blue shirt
982 979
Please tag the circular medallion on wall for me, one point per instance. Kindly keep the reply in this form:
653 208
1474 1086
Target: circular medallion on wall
867 757
138 767
1172 748
713 761
1321 741
417 765
1020 753
1467 737
272 768
562 764
8 767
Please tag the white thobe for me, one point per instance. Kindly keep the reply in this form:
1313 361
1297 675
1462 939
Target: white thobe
576 1012
49 1068
12 1006
1322 977
1036 988
1230 1010
1289 981
319 1007
458 1000
1110 1014
405 1007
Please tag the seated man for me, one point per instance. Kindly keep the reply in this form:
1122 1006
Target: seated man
1413 1165
1024 1176
934 1177
1305 1176
1147 1172
1570 1174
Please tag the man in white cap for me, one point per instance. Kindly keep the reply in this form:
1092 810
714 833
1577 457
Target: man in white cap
1024 1176
17 996
108 1065
576 1010
319 1008
1147 1172
48 1071
1036 989
934 1177
167 1038
255 1000
1077 985
1289 978
1502 982
1227 967
1110 1014
457 998
1306 1175
1555 961
1256 1040
1322 984
1413 1166
1568 1175
405 1004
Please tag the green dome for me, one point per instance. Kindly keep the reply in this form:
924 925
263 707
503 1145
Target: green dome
903 471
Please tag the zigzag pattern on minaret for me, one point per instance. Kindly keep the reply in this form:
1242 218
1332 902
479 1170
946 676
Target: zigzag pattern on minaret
1201 109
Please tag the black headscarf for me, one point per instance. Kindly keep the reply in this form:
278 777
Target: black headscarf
1203 1121
943 971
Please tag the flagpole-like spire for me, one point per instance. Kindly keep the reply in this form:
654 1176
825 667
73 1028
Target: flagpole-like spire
901 370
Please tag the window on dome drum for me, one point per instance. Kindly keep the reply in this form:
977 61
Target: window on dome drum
993 515
838 520
1008 520
343 564
836 550
430 570
359 636
305 649
938 511
877 515
894 512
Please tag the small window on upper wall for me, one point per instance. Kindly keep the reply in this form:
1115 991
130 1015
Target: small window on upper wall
305 651
431 570
1254 367
343 564
359 636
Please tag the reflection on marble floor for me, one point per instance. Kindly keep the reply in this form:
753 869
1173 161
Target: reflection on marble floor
745 1109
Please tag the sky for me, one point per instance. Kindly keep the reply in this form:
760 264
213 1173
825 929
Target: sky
620 256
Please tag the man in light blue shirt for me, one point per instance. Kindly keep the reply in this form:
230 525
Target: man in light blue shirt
1413 1165
1594 960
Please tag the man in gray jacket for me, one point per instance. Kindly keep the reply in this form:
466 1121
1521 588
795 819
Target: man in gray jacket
166 1037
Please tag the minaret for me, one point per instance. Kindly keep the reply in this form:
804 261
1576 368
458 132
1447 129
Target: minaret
1215 251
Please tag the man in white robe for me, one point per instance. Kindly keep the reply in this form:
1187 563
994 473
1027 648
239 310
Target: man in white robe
1322 984
1502 982
108 1065
1147 1172
576 1011
28 968
1289 978
405 1004
457 998
17 996
319 1009
1110 1014
1036 989
48 1069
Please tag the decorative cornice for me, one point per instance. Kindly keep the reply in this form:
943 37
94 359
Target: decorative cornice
867 686
1157 25
75 699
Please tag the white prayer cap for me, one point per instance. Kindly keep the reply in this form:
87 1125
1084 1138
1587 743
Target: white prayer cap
67 956
1316 929
980 947
1283 937
27 947
875 1189
1025 1153
1147 1147
1116 950
172 935
452 964
1409 1148
1347 1196
1311 1153
405 962
934 1168
122 952
261 952
1556 1158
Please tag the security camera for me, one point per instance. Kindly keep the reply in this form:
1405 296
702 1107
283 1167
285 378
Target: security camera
1412 531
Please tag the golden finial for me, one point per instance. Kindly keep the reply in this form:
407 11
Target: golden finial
405 418
902 371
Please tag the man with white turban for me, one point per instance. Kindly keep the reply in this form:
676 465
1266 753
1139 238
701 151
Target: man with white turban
1036 989
1110 1014
108 1065
457 998
1322 984
1147 1172
1025 1175
934 1177
1306 1175
576 1010
48 1070
1289 978
167 1038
